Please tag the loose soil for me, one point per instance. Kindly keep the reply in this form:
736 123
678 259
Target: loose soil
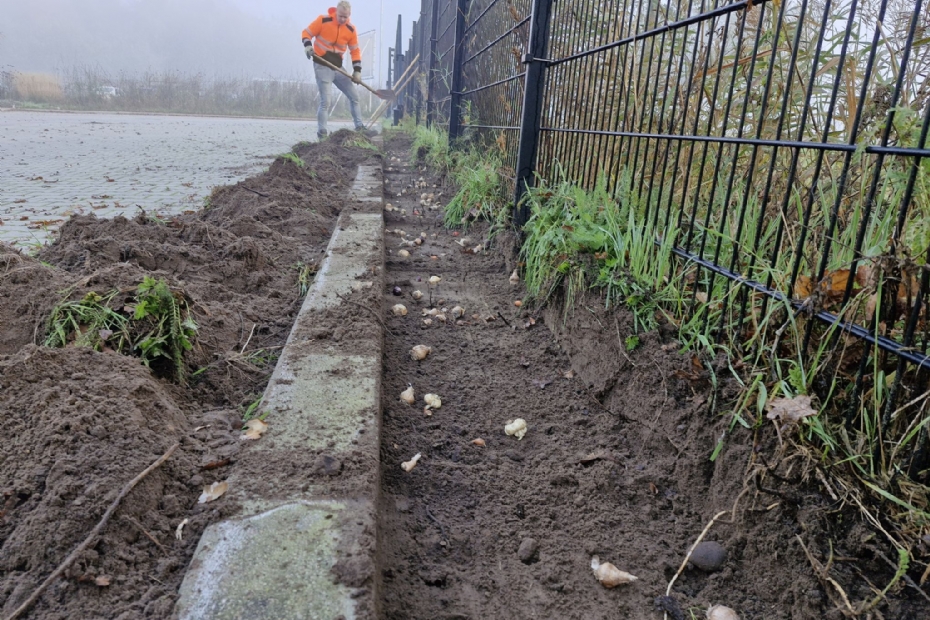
615 463
79 424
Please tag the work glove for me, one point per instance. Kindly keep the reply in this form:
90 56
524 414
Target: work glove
357 76
308 50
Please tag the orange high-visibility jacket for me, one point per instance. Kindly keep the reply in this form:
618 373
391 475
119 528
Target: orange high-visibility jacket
330 40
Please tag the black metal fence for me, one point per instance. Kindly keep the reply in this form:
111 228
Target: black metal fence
782 145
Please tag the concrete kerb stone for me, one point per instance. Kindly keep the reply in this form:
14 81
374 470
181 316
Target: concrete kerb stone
279 558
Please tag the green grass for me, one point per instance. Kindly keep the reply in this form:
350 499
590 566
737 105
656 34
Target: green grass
363 142
480 189
305 273
476 174
292 157
88 322
431 145
155 324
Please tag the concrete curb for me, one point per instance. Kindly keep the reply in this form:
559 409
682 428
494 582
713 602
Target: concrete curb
308 553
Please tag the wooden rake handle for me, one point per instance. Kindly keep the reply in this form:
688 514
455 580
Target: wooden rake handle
381 94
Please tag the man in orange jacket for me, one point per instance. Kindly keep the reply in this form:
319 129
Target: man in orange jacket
328 37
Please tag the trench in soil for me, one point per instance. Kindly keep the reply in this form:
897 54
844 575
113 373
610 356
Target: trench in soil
507 529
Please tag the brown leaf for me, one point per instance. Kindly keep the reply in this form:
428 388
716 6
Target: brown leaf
790 410
215 464
864 275
568 374
803 287
213 492
834 284
253 429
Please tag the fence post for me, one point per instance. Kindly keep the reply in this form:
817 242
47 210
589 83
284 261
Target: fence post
431 70
418 46
398 59
458 58
532 106
390 65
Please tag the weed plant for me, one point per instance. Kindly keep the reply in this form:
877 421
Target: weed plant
362 142
305 274
292 157
154 323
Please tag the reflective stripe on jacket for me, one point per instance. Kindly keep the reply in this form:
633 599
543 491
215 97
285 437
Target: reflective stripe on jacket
330 40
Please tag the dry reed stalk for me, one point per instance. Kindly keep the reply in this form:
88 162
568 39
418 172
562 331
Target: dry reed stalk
37 87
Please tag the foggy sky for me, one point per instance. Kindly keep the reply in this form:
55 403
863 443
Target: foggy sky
251 38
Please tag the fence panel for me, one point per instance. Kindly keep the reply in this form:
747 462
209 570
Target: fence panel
782 145
496 37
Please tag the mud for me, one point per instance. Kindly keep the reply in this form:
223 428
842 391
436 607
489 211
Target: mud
615 464
79 424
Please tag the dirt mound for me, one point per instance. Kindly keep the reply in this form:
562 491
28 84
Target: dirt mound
82 422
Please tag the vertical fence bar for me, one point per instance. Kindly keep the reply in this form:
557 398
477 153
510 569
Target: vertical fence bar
458 59
398 68
418 49
532 106
390 64
431 70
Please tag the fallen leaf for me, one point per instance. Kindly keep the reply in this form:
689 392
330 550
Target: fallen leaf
200 428
213 491
253 429
541 383
568 374
790 410
592 458
179 532
478 442
102 580
803 287
216 464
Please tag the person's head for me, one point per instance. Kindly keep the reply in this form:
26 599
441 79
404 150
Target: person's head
343 11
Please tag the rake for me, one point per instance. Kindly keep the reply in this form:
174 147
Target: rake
384 93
